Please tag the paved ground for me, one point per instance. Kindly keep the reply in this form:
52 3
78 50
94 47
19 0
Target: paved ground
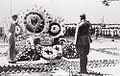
100 43
110 46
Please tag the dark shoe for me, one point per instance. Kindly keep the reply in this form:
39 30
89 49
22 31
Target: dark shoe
113 40
78 72
83 72
13 62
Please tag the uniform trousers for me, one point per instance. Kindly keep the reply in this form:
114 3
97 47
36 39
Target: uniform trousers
83 51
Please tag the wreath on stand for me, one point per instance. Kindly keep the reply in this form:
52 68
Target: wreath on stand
54 29
34 22
39 22
18 30
52 53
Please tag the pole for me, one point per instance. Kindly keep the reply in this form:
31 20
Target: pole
10 7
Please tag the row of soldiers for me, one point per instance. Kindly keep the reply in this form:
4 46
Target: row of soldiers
97 32
107 32
70 31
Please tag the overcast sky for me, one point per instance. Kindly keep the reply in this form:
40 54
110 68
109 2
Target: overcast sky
68 9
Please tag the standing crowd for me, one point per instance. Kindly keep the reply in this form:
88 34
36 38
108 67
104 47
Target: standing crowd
104 32
107 32
3 37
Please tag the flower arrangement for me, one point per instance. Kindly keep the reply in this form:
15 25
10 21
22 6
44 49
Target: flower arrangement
34 22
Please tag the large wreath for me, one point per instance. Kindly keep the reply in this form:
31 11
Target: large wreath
52 52
34 22
54 29
18 30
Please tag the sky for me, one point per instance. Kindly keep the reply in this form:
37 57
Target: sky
68 9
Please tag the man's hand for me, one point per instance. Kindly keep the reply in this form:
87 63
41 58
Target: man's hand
74 43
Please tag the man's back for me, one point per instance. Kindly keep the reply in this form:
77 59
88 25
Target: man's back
83 34
84 28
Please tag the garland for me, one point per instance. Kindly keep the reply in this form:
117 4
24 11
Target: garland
22 68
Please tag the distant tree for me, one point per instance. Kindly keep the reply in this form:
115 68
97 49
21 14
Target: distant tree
107 2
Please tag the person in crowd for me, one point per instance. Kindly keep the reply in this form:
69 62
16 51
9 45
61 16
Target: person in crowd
100 31
103 32
118 32
115 32
82 41
107 32
5 38
97 33
12 52
112 34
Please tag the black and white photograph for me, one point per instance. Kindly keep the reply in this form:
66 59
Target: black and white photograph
59 37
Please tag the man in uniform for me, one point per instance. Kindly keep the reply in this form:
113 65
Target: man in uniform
12 52
82 42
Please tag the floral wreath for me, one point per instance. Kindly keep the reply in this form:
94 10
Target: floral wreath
54 29
52 52
38 22
18 30
34 22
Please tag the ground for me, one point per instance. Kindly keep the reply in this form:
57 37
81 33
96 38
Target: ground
104 57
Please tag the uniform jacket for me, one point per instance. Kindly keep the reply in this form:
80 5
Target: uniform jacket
83 34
